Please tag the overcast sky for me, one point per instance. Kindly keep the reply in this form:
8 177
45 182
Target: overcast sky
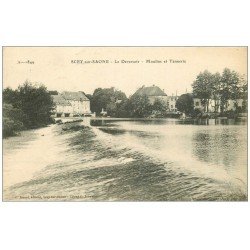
54 68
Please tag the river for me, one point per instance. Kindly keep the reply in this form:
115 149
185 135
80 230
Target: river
128 160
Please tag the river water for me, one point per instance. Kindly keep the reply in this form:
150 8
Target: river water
128 160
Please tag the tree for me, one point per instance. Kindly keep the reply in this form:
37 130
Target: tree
12 120
203 87
216 87
185 103
36 103
140 106
123 109
111 109
159 107
219 88
229 88
244 94
107 99
10 96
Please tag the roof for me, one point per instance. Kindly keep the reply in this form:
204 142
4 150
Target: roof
59 100
150 91
74 96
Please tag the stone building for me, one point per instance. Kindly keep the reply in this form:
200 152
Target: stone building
154 92
69 104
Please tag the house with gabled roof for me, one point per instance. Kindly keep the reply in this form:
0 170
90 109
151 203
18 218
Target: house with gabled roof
154 92
69 104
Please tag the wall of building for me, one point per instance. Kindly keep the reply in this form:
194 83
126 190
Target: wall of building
64 109
70 107
172 103
231 104
214 106
79 107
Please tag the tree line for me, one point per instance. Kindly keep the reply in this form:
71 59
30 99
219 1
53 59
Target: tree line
31 106
220 88
117 104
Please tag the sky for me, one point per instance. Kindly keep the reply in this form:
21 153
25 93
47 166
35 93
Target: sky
57 67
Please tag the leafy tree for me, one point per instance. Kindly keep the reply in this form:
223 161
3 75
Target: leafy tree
185 103
229 87
140 106
123 109
111 109
159 107
33 103
220 88
203 87
12 120
216 88
244 94
36 103
107 99
10 96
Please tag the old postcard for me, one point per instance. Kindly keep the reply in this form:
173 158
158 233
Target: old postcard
125 123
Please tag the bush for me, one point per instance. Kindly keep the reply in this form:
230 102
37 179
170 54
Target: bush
12 120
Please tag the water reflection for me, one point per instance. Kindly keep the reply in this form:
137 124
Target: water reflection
225 147
219 121
142 159
220 146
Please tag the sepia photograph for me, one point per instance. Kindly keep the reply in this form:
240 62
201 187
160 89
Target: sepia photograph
125 124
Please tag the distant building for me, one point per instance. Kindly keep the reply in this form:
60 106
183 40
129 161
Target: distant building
69 104
214 105
154 92
197 103
172 103
63 108
231 104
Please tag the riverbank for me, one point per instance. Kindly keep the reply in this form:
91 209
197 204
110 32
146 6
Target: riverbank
16 131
